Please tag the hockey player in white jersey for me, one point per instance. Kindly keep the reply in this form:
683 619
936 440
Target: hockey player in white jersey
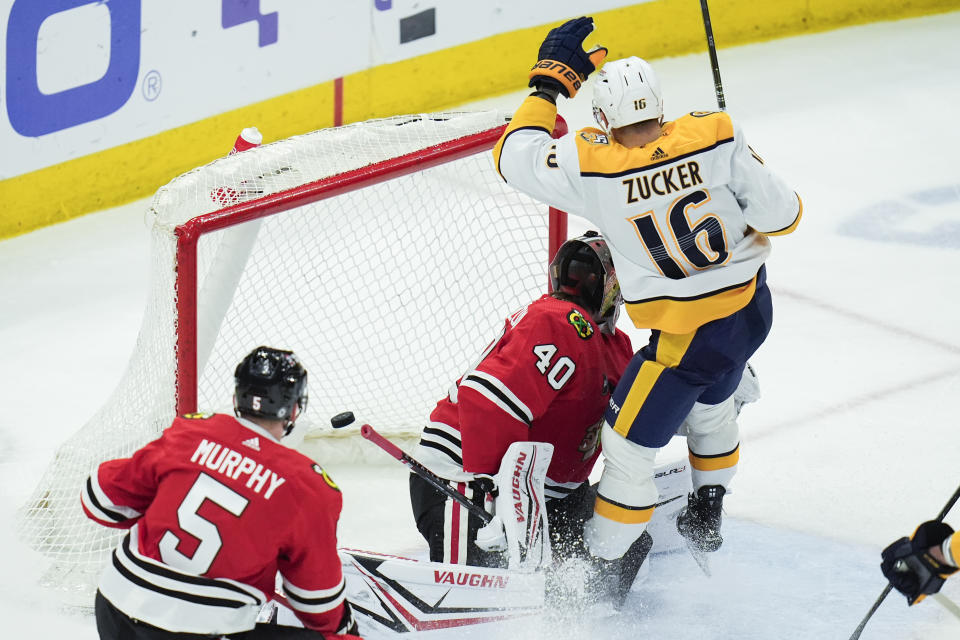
686 208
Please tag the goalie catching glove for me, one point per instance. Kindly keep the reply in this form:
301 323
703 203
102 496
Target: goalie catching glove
909 566
563 65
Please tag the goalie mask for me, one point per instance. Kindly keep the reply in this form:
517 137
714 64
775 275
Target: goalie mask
270 383
583 270
625 92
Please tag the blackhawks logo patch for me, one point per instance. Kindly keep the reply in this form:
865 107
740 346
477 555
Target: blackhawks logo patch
580 323
326 478
197 416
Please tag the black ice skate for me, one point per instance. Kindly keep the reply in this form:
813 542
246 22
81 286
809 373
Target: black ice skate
699 521
613 579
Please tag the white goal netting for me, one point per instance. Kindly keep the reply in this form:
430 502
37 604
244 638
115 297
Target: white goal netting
386 293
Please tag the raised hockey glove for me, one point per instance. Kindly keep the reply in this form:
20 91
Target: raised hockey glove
910 568
562 64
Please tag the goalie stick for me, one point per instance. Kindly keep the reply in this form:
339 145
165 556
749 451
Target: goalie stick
435 481
523 469
346 418
886 590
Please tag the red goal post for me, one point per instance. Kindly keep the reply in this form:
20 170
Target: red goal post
385 253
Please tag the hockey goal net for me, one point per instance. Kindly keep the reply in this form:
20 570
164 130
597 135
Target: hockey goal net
384 253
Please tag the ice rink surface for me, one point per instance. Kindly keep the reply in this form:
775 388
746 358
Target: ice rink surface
856 438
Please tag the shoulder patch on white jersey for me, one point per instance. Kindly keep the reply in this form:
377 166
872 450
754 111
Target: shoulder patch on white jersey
580 323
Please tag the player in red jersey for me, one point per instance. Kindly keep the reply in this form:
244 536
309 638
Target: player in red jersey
546 378
216 507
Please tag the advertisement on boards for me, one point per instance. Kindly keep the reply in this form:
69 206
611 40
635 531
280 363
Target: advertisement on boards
81 76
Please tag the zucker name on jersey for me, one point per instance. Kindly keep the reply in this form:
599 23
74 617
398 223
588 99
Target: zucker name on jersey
686 217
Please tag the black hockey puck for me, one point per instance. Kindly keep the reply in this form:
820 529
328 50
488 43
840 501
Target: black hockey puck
342 420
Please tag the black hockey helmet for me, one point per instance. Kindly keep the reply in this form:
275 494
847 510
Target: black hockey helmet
583 270
270 383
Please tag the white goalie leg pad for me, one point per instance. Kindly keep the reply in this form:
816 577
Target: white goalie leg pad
522 504
391 595
626 498
713 435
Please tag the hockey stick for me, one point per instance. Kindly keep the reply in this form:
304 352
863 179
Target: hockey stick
886 590
435 481
712 48
873 609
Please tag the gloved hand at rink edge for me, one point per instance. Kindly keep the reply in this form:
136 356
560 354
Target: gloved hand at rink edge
909 566
563 66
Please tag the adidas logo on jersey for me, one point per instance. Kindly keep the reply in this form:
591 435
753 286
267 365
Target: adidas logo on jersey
253 443
659 154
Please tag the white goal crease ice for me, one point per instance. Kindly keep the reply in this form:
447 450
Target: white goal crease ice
384 253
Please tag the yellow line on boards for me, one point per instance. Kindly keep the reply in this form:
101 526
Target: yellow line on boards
137 169
430 82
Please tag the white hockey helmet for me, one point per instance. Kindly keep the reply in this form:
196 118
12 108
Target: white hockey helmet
626 91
